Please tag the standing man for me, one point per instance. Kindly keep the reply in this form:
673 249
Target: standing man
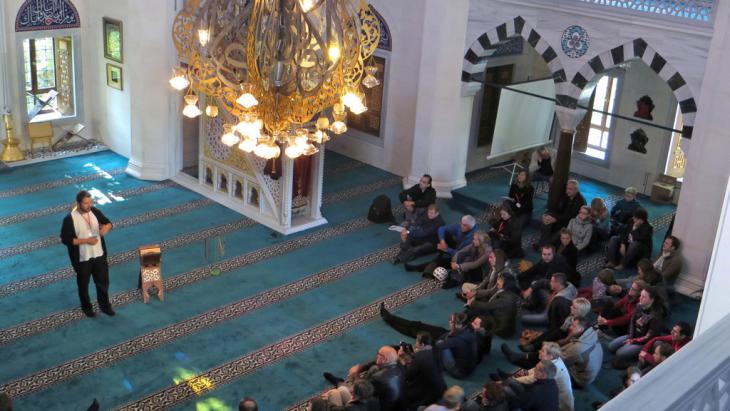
83 233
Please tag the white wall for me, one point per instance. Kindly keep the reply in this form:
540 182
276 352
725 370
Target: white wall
393 153
109 108
625 167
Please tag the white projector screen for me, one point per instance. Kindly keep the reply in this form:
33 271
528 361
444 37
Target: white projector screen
523 121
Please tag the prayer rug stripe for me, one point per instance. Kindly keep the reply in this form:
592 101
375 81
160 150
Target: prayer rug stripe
127 222
229 371
102 358
62 182
64 207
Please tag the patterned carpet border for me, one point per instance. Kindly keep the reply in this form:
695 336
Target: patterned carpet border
64 207
44 379
367 188
60 318
124 223
280 350
60 183
342 168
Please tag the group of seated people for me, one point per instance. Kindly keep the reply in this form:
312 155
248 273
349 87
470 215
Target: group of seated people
564 352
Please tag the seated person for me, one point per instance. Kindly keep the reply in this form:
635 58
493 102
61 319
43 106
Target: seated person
515 382
488 286
424 374
492 398
568 207
581 229
601 223
582 353
617 317
566 248
507 234
549 263
452 238
420 237
632 244
646 323
680 335
623 210
469 263
459 350
358 397
498 312
558 303
412 328
669 262
452 400
662 351
597 293
385 374
417 198
542 164
521 194
543 394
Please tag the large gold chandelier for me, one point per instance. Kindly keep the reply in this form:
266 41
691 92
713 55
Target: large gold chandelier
280 72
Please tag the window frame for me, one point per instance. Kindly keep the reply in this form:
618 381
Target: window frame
34 70
611 128
78 83
367 137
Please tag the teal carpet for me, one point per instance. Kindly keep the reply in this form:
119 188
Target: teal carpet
282 310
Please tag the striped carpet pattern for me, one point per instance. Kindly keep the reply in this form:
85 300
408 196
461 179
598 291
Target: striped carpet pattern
264 319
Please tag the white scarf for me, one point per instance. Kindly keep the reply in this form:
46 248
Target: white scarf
87 229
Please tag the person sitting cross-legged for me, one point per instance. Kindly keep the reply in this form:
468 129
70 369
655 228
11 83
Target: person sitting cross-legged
582 353
420 237
452 238
541 395
497 311
645 324
581 229
521 194
661 352
424 373
485 289
559 216
553 310
680 335
550 263
469 263
417 198
507 234
632 244
516 381
669 261
623 210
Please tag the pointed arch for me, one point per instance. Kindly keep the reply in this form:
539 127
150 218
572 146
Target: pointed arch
639 49
386 41
35 15
475 58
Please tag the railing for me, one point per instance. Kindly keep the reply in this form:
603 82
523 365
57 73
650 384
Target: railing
696 378
697 10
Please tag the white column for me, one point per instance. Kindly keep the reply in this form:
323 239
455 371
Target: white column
316 182
441 134
715 304
701 200
148 61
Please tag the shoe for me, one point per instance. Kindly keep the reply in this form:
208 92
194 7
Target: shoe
396 261
108 311
332 379
89 312
410 267
511 356
384 311
460 296
494 377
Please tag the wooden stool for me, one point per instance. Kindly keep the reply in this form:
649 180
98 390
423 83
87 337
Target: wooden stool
40 133
150 271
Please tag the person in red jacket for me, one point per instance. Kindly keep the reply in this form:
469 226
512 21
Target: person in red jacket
680 335
617 318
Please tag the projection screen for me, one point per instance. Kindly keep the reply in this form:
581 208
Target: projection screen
523 121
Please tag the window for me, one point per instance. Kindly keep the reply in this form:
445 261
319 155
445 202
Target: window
49 80
599 127
676 160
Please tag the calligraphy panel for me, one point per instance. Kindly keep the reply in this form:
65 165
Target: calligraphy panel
37 15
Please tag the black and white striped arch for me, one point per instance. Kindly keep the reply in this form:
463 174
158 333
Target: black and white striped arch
475 60
637 49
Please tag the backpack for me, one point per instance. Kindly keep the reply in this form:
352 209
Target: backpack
380 211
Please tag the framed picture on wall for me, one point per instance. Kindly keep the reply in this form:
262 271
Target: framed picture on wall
114 76
113 46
